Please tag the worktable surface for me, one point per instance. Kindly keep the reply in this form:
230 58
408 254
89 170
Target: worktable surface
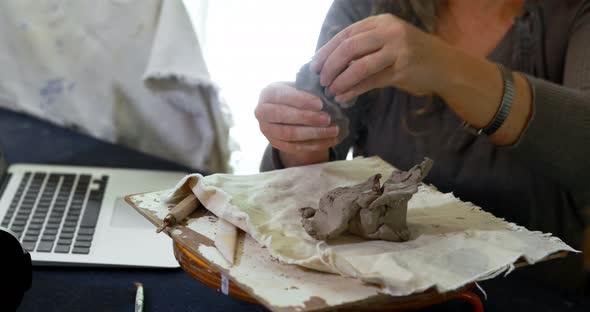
26 139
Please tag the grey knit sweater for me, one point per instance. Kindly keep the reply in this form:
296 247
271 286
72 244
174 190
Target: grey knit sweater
543 182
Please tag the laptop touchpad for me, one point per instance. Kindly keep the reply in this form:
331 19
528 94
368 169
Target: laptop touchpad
125 216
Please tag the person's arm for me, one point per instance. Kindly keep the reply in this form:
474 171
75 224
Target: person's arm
556 141
384 51
341 14
548 127
269 160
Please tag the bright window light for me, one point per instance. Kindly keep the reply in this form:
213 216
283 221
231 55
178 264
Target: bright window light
248 45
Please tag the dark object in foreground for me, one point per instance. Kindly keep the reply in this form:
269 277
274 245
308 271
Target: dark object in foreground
368 210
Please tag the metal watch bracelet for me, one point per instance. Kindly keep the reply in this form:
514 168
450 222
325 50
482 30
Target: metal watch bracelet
503 110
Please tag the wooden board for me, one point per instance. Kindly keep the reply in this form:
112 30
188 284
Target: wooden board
257 277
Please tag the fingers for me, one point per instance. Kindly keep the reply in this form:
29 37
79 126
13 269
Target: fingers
284 114
293 122
304 146
350 63
360 70
379 80
324 52
280 93
289 133
348 51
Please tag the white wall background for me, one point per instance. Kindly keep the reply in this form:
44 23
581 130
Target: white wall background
248 45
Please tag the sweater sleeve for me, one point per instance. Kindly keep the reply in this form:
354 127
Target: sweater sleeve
556 141
341 14
270 159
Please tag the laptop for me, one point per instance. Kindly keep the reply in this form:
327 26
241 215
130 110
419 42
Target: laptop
77 216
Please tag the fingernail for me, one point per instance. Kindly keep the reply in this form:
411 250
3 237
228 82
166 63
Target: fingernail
340 98
317 103
343 98
326 119
324 81
336 130
328 93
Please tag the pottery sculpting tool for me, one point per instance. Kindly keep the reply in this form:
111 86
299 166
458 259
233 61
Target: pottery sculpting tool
179 212
225 239
139 297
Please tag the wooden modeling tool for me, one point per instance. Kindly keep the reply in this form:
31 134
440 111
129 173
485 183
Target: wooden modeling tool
179 212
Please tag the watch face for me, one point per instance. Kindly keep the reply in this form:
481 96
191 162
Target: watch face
16 263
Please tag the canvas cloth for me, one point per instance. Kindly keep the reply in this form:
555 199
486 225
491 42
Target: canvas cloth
452 243
127 71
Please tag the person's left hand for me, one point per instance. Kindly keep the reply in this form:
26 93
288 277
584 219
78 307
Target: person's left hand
380 51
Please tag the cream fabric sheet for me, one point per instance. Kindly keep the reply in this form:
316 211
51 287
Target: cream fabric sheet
453 243
129 72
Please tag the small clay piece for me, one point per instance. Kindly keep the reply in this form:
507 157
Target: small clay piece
179 212
368 210
309 81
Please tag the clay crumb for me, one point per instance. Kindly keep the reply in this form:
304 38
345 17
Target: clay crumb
274 259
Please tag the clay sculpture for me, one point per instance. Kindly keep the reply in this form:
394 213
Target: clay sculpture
309 81
368 209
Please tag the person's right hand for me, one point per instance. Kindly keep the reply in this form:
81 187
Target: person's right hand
293 123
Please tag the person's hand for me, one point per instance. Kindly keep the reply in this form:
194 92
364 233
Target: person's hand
293 123
380 51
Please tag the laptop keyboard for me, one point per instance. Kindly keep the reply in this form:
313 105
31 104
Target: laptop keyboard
56 212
